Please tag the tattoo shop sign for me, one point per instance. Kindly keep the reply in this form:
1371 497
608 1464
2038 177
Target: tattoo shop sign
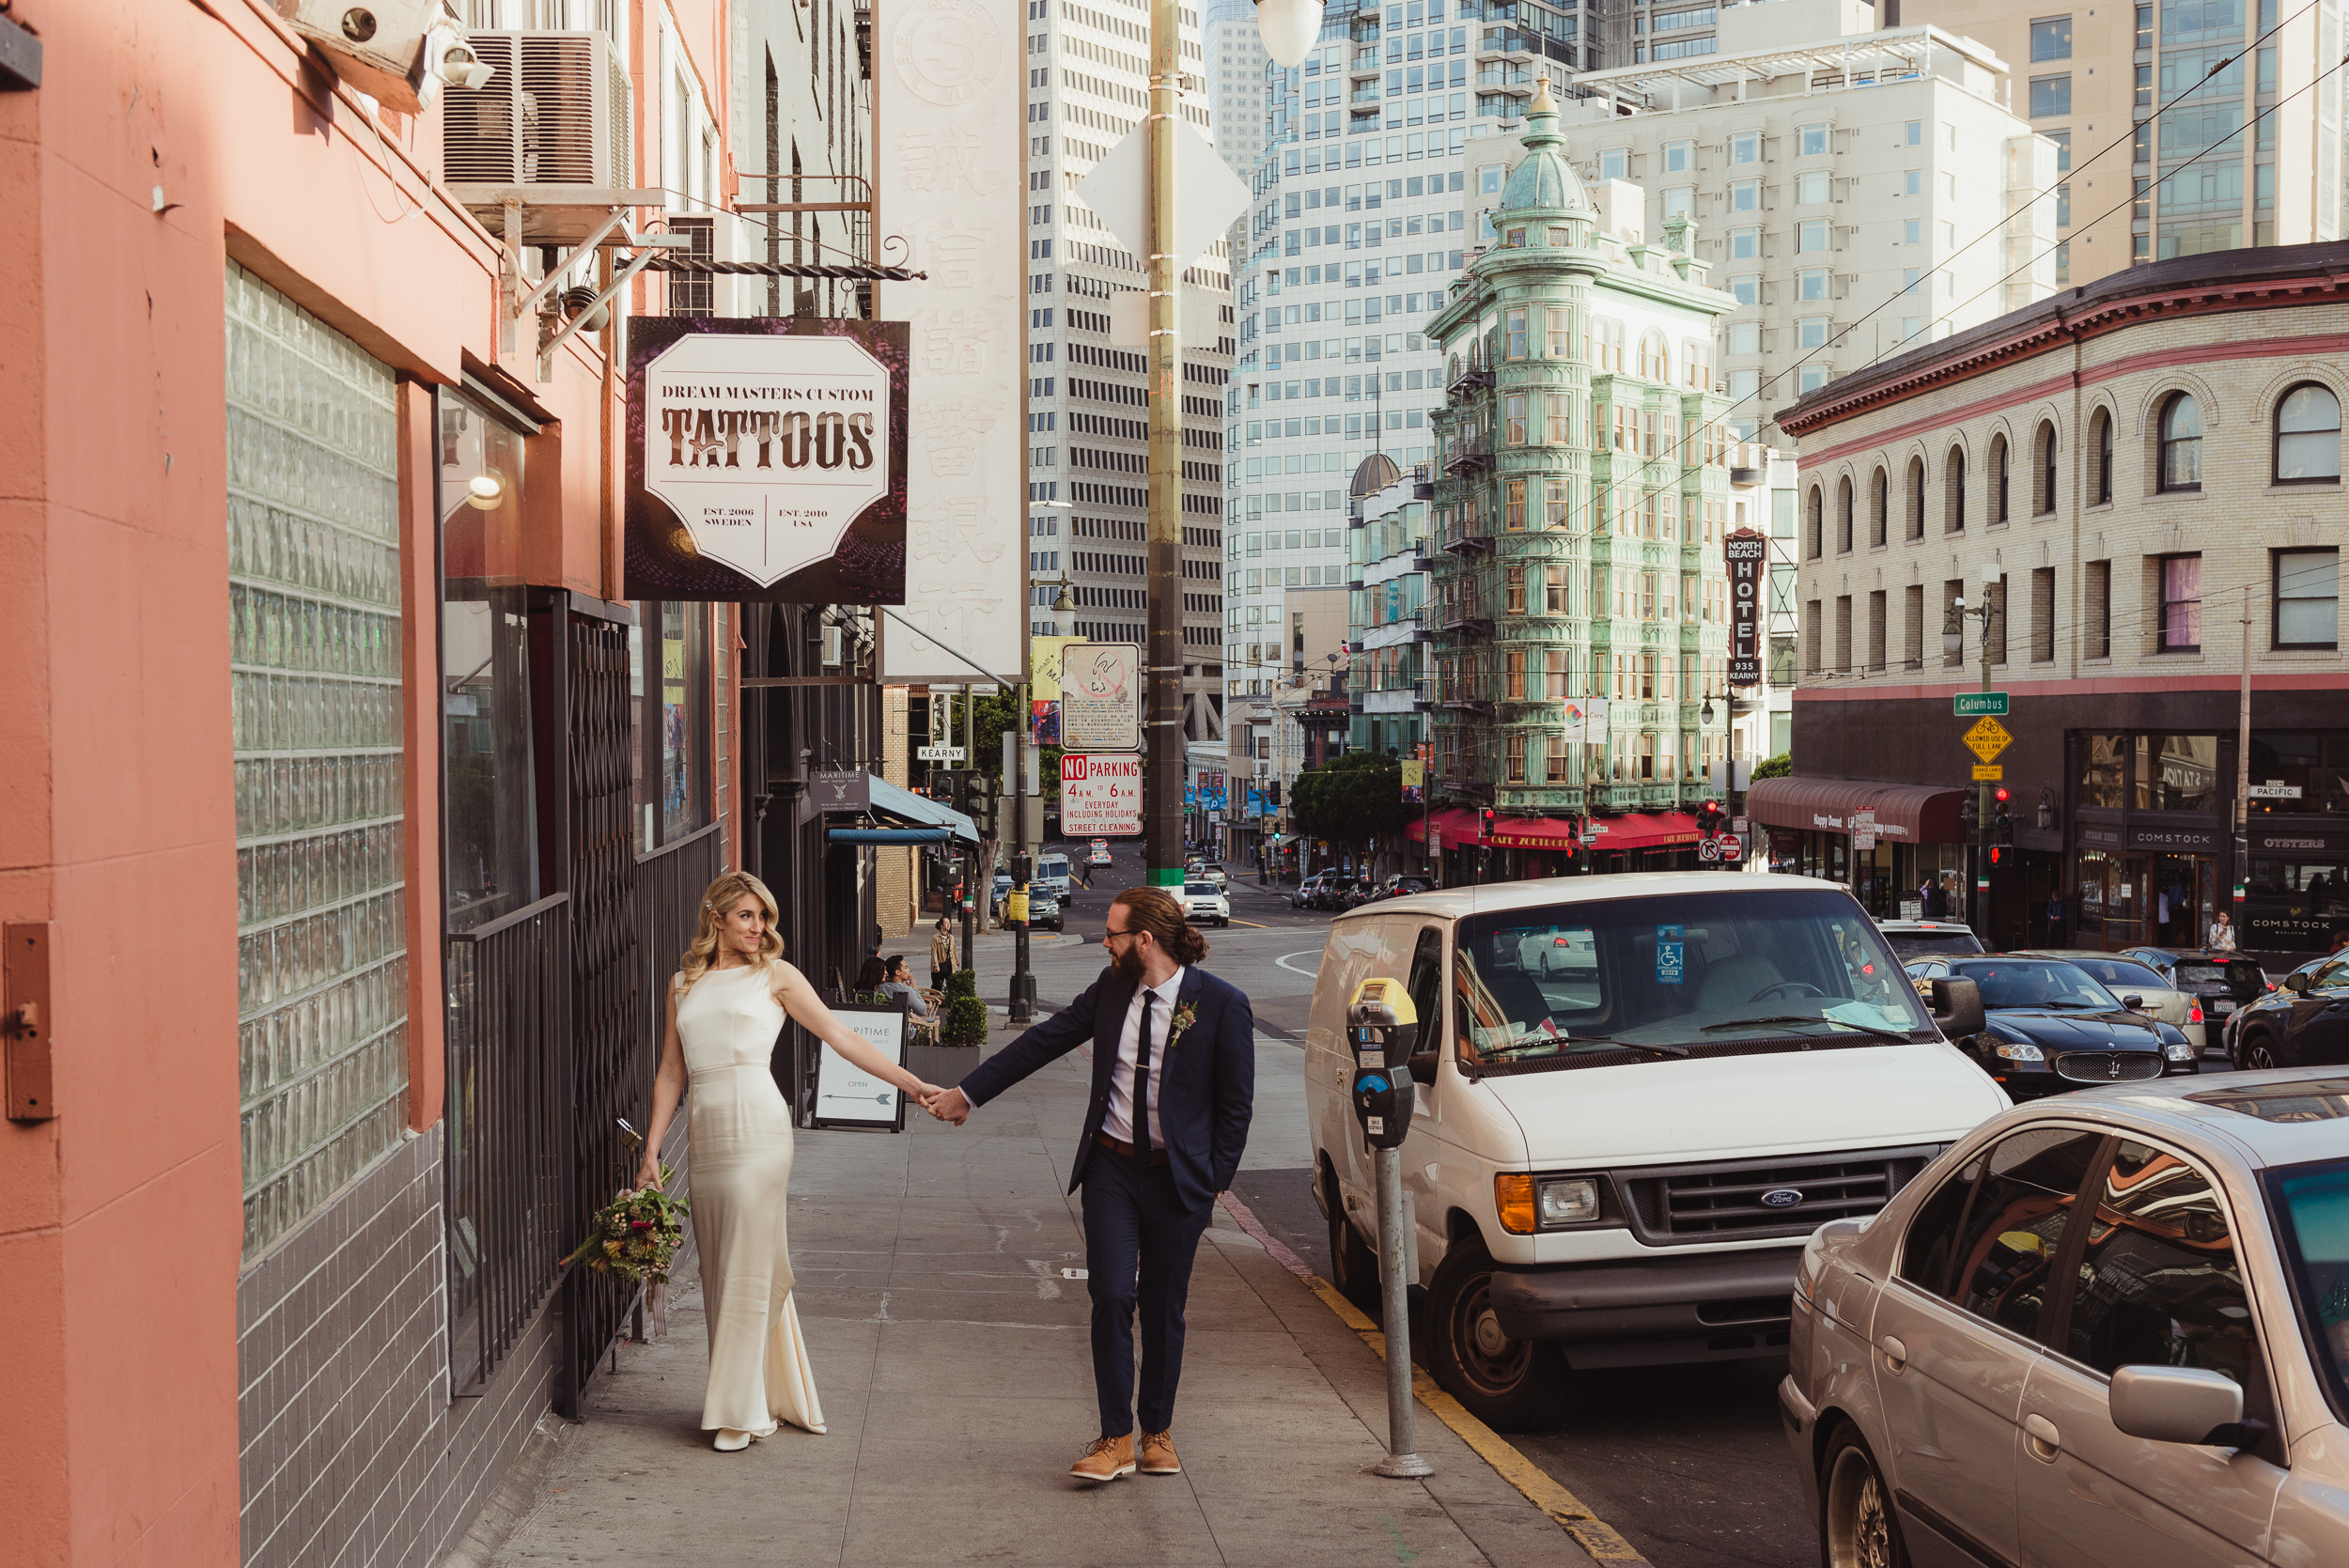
765 460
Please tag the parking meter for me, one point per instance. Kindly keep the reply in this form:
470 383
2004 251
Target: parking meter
1381 1027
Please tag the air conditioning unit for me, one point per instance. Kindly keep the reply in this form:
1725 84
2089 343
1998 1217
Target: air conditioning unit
554 112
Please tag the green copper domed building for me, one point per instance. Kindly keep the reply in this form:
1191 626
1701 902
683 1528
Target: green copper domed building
1582 495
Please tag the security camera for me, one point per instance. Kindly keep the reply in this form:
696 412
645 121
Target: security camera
391 49
459 67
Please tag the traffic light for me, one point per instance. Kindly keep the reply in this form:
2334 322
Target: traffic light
1709 820
1997 855
1970 813
2004 829
980 804
1484 821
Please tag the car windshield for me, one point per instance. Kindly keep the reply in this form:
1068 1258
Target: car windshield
2036 983
1674 975
2118 975
1201 890
2239 973
1927 944
2313 1201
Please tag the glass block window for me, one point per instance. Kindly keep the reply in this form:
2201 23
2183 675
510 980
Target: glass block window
314 652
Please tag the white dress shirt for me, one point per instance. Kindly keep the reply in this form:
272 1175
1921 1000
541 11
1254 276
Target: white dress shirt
1118 1121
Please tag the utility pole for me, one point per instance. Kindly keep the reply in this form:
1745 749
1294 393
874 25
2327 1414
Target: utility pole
1162 656
1023 868
2243 773
1978 918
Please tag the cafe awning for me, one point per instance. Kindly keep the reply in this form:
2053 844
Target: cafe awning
1454 827
1905 813
1529 832
1644 830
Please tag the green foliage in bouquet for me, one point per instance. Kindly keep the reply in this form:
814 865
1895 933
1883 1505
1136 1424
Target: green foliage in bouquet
963 983
965 1020
635 1235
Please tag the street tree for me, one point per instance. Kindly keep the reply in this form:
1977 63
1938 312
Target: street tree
1356 798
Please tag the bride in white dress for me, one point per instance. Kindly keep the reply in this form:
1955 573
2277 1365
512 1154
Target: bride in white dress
727 1008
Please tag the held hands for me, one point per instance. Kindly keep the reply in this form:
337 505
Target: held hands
948 1105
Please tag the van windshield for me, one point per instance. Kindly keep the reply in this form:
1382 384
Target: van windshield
1704 975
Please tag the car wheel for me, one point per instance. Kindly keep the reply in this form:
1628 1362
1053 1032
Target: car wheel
1857 1527
1353 1267
2259 1053
1509 1385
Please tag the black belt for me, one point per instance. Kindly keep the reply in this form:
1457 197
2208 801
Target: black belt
1124 1150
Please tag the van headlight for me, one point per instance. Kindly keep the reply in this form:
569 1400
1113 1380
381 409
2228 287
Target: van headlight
2011 1052
1571 1202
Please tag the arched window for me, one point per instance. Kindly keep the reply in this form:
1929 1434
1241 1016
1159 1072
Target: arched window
2100 442
1812 525
2307 437
1654 358
2181 455
1879 503
1953 492
2044 496
1998 478
1842 515
1916 498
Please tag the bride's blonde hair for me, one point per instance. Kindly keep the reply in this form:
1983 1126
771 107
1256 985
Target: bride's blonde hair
722 895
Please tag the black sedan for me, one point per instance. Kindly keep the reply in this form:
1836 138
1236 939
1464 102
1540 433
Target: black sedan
2303 1022
2049 1027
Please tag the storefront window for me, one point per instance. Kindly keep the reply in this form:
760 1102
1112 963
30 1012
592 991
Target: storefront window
2294 907
672 719
491 826
2286 772
2106 779
2177 772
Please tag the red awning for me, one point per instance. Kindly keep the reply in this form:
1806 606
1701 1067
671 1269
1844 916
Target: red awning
1455 826
1905 813
1644 830
1530 832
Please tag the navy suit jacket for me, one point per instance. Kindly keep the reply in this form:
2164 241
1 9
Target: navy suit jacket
1206 1091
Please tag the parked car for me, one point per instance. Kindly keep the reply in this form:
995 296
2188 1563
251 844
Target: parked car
1925 939
1307 893
1213 871
2223 983
1202 901
1044 910
2050 1027
1590 1153
997 893
2302 1023
1973 1378
2125 977
1402 884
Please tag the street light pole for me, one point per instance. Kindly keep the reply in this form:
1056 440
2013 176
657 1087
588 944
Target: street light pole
1162 842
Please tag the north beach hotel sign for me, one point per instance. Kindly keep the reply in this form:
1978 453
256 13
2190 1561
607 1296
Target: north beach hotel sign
766 460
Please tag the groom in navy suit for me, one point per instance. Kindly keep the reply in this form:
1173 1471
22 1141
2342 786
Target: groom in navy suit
1174 1086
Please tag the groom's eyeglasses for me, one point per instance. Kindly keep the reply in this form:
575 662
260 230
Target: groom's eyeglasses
1107 936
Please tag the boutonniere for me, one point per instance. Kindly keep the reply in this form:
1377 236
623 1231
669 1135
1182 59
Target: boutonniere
1184 1017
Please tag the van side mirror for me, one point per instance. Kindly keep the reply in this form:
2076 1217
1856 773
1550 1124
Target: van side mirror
1422 1067
1957 1008
2181 1405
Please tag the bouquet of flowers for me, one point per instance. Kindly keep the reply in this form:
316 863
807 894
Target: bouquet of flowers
635 1235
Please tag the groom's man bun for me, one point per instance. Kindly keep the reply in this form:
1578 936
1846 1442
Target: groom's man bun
1158 913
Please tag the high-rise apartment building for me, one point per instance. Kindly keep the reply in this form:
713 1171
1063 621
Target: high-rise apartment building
2247 155
1088 397
1236 84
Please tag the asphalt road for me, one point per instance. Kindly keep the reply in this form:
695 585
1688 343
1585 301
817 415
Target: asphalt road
1688 1462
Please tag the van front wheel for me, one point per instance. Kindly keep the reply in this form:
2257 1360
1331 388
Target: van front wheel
1509 1384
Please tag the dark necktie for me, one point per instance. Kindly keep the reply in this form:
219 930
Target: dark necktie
1142 1086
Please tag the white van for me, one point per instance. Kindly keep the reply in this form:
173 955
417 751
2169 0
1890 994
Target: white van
1637 1094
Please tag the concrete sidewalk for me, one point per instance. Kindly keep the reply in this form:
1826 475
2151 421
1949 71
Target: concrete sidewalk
951 1351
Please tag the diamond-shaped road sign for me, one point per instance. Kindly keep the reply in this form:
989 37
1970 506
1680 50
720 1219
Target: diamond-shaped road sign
1208 196
1987 739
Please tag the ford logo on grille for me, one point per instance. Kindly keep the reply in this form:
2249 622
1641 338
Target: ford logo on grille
1782 1198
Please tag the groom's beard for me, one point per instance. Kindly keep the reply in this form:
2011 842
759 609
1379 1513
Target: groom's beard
1128 963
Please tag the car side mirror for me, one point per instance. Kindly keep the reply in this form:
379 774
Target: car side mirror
1421 1065
2134 1003
2181 1405
2296 984
1957 1008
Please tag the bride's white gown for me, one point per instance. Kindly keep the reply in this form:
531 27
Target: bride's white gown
740 1128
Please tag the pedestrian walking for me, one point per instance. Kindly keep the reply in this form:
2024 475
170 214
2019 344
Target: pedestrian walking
2221 937
727 1006
1174 1087
942 954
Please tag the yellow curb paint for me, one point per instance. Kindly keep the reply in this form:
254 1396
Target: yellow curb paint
1256 925
1595 1535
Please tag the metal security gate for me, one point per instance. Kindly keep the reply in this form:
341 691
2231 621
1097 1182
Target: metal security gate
614 1055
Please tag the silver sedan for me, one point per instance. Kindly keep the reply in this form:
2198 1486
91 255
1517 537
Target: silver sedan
1975 1379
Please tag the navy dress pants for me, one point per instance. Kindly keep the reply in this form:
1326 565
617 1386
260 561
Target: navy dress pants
1139 1241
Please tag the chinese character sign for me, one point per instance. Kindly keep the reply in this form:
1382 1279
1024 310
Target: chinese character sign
765 460
1749 557
947 74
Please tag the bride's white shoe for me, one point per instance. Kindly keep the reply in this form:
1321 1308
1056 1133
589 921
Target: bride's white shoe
731 1441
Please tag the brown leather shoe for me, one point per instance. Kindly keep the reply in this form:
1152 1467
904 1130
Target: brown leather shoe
1106 1459
1158 1453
